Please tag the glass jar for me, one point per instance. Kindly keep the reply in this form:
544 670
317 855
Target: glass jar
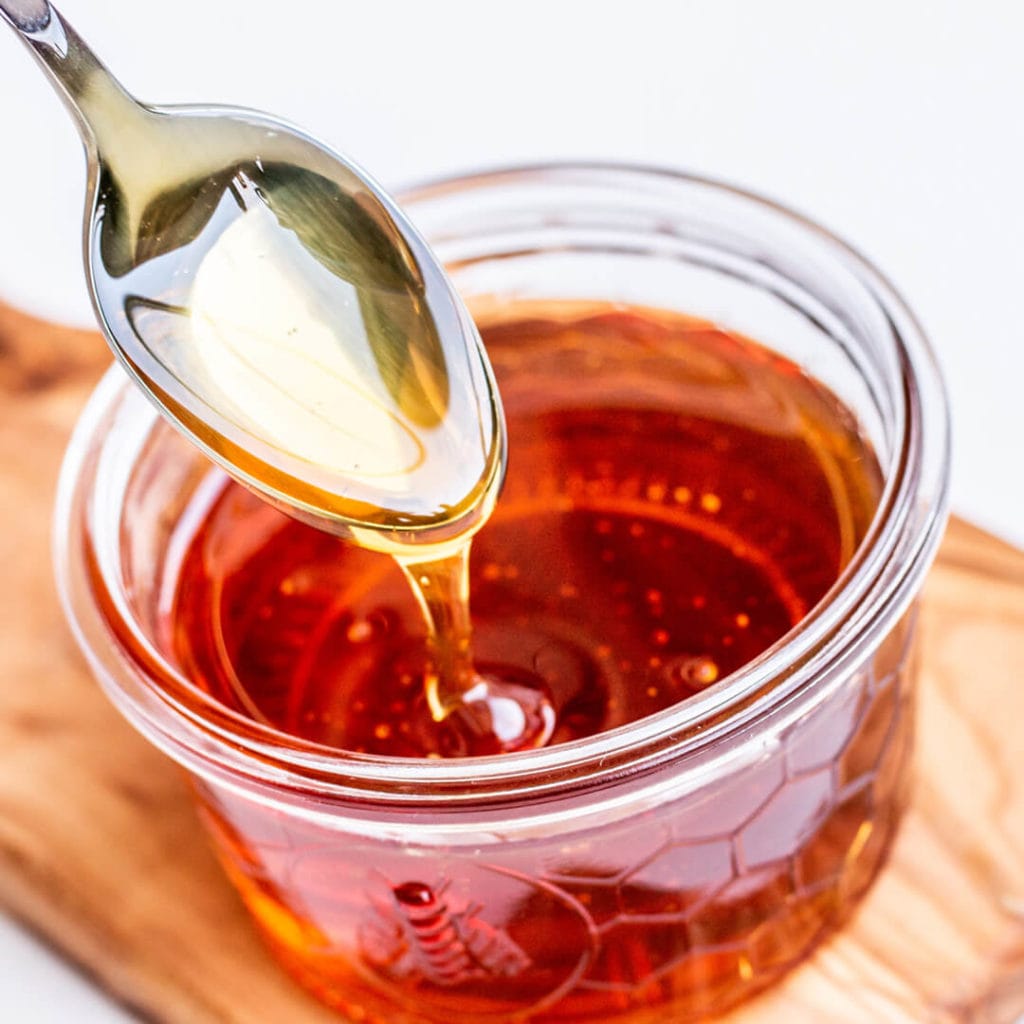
659 871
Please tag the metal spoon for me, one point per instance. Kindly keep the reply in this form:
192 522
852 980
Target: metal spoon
280 309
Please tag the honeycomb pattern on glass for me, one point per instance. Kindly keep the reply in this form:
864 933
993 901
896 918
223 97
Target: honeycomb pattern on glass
688 907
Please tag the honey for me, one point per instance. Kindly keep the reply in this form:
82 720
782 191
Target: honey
677 499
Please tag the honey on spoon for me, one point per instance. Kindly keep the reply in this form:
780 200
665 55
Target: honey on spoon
281 311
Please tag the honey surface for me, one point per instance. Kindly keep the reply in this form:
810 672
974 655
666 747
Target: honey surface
677 498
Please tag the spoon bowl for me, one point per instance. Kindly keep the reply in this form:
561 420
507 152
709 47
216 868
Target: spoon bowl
280 309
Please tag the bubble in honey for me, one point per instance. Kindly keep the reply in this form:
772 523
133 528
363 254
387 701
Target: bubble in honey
359 631
382 620
695 672
710 503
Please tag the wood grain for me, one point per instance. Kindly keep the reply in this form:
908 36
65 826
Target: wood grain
101 853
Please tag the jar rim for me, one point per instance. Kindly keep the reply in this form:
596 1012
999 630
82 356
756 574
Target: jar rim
872 591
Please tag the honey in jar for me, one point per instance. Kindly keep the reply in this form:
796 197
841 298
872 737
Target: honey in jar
677 499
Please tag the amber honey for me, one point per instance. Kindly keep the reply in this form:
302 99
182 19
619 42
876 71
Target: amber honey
677 499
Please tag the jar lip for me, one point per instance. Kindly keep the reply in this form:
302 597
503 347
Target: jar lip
877 584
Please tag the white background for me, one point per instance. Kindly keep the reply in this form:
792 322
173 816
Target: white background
896 123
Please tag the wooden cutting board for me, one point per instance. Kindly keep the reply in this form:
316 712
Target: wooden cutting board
101 854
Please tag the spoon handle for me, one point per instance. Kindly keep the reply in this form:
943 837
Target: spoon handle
93 96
